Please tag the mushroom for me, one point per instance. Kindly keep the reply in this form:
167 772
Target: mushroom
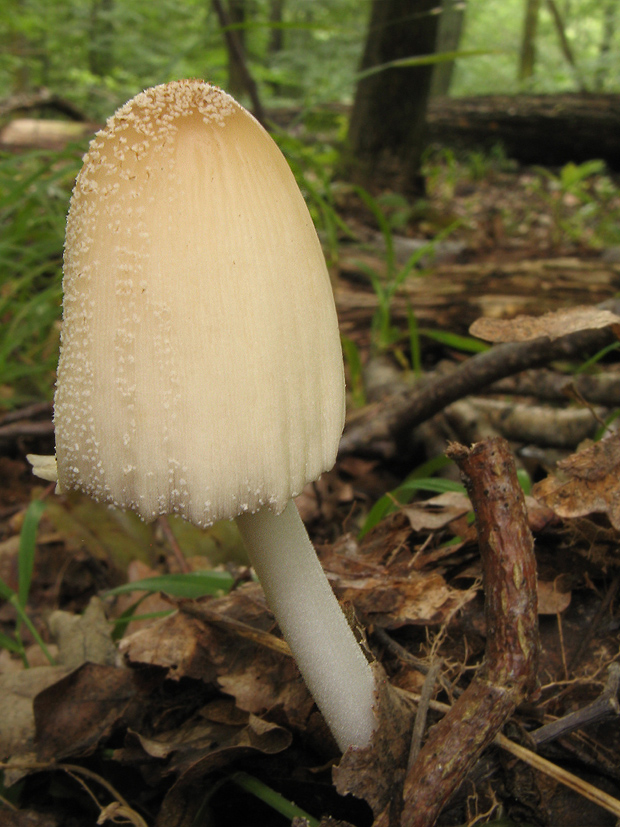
200 370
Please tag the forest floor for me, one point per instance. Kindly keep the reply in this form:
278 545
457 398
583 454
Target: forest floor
194 714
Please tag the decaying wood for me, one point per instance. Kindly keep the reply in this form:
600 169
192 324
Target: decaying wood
452 296
597 389
533 424
42 99
32 133
509 672
538 129
397 417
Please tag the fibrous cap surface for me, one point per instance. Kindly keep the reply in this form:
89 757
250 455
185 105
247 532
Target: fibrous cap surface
200 369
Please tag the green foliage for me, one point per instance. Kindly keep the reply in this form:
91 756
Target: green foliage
18 600
99 55
356 376
34 196
584 203
384 334
466 344
282 805
191 585
313 166
497 28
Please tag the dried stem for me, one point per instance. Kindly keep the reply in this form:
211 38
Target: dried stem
509 673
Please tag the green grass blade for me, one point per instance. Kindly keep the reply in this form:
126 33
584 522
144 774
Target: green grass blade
192 585
7 642
384 226
467 344
356 373
426 60
27 548
414 341
6 592
23 618
419 480
276 801
585 367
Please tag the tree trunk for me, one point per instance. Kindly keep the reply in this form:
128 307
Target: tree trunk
101 43
609 28
276 35
236 77
564 44
236 57
386 131
534 129
527 58
448 40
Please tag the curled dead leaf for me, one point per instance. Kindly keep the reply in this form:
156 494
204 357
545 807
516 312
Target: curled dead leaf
588 482
552 601
437 512
550 325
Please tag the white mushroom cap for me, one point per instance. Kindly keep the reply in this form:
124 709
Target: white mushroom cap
200 370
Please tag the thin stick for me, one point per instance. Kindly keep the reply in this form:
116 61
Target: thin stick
604 706
593 794
422 712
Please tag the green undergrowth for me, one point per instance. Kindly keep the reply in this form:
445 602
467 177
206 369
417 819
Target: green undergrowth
34 197
19 599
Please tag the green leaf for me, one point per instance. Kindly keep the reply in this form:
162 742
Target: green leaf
425 60
276 801
468 344
6 592
7 642
193 585
417 481
356 375
27 548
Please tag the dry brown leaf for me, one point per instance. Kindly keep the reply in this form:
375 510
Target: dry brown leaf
551 601
214 650
588 482
392 602
551 325
216 735
74 714
17 728
437 512
178 643
209 746
380 581
85 637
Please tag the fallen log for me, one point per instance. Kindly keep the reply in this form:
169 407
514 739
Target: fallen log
550 130
452 296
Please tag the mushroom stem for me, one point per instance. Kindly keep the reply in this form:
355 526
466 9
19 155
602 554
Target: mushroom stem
328 656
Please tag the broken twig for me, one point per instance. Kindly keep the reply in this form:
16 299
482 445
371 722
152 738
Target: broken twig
509 673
